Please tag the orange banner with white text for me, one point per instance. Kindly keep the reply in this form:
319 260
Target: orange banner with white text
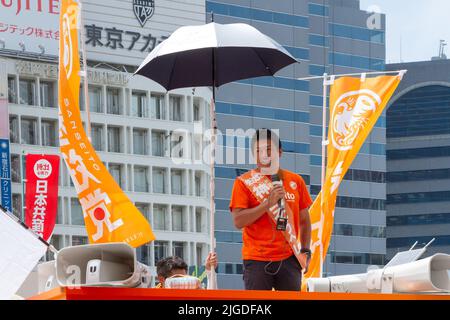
355 106
109 215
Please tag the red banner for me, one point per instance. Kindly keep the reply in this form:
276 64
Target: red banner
42 173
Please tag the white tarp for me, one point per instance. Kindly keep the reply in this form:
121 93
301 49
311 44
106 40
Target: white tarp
20 251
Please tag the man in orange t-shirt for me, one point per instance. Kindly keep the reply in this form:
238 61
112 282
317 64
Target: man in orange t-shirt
269 262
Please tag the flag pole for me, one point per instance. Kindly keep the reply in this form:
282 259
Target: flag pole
326 83
400 72
212 161
212 180
84 73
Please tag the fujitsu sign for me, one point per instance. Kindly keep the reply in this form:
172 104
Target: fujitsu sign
36 6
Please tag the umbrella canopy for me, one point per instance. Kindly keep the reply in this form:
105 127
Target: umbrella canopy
212 55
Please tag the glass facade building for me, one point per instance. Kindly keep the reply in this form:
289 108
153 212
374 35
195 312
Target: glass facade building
418 158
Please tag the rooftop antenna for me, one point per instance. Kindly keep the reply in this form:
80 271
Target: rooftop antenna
442 45
441 55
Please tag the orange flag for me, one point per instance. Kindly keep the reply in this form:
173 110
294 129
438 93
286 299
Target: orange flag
355 106
109 215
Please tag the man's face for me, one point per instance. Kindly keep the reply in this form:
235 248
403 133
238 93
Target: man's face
267 156
174 272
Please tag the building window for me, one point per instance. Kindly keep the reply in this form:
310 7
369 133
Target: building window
357 258
79 240
95 99
27 91
140 179
12 90
159 180
47 92
49 131
175 108
160 219
15 168
158 143
198 185
76 213
418 197
158 106
97 137
139 105
199 251
29 128
113 101
17 205
143 254
178 249
344 258
420 112
114 139
178 221
176 144
177 181
116 172
161 250
140 141
57 242
59 216
197 147
197 110
14 129
143 208
199 222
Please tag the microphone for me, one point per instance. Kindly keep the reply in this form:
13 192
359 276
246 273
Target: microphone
282 218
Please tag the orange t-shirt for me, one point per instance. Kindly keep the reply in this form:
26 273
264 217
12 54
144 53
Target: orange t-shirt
261 240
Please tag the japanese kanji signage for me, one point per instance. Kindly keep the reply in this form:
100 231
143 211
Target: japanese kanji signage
108 213
42 173
113 38
5 174
25 25
122 32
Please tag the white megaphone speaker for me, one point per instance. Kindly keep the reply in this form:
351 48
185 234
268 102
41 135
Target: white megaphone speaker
41 279
429 275
426 275
106 264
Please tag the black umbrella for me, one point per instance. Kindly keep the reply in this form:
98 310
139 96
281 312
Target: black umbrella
212 55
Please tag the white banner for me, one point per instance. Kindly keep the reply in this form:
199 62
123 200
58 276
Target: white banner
122 32
26 25
20 251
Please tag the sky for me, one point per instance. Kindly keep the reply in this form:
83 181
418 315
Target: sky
415 26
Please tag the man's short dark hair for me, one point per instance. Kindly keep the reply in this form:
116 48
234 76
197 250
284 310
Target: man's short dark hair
268 134
165 266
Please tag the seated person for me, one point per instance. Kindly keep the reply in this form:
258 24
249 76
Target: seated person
174 267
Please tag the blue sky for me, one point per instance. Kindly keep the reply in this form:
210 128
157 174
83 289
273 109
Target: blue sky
417 24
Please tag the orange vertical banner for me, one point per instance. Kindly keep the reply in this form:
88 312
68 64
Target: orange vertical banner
109 215
355 106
